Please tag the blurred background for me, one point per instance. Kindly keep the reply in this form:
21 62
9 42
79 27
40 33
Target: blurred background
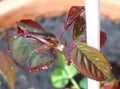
51 15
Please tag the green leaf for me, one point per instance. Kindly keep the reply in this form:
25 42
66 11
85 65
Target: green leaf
24 55
83 83
71 71
61 60
7 70
59 78
90 62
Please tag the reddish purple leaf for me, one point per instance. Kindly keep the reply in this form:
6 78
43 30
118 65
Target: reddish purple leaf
29 26
78 28
7 69
32 23
32 48
36 69
73 13
25 57
19 30
103 38
77 36
90 62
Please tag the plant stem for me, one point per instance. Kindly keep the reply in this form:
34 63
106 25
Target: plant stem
74 83
72 80
63 31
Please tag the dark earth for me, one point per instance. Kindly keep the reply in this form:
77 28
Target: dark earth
41 80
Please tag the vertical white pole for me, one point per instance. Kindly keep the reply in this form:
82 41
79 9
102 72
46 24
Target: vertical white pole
93 31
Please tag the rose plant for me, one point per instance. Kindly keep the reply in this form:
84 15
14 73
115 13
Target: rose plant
34 49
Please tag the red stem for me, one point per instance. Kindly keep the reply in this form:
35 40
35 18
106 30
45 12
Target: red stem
26 34
61 35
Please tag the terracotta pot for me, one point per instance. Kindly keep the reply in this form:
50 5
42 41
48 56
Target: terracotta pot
12 11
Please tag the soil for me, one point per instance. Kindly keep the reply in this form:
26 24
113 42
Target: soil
41 80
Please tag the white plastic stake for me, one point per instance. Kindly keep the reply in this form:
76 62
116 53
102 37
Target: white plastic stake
93 31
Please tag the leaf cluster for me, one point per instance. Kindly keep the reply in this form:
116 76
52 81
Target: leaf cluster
34 49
